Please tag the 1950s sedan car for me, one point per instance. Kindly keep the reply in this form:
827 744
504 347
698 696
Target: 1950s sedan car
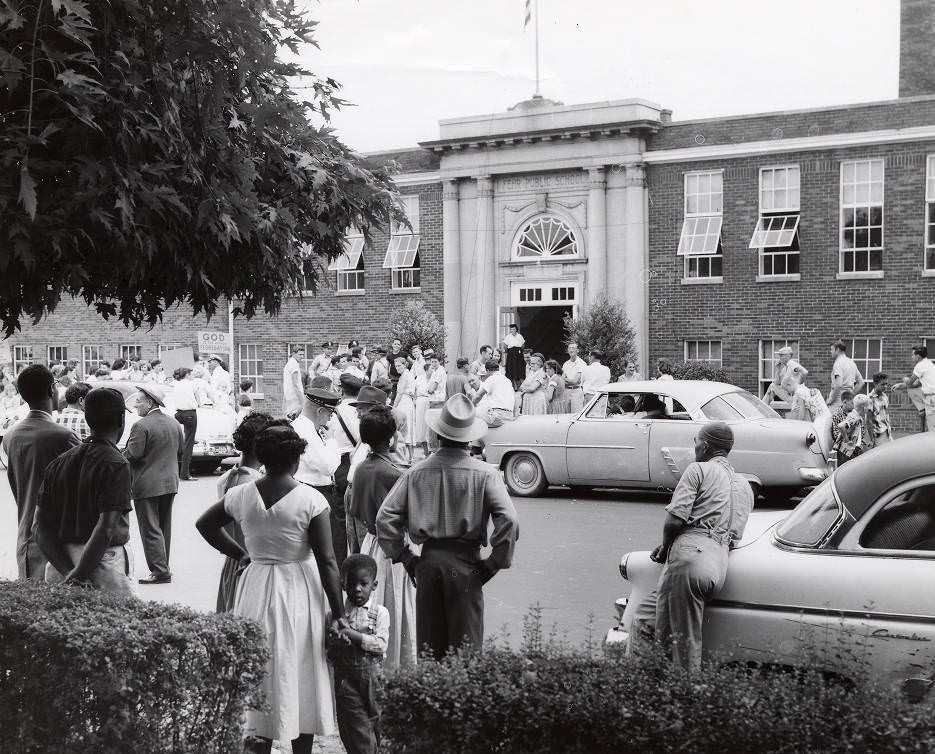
650 444
844 583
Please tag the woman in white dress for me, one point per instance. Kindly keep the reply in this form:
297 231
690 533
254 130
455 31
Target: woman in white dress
533 387
290 570
404 408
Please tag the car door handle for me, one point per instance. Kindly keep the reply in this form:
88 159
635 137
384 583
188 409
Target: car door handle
644 426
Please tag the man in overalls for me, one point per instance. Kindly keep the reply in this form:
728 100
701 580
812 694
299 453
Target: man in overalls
707 515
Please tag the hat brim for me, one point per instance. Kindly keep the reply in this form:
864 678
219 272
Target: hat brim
155 398
476 431
355 404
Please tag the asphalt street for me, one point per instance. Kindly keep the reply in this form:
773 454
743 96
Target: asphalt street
566 558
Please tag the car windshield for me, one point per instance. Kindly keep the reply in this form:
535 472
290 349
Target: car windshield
749 406
813 517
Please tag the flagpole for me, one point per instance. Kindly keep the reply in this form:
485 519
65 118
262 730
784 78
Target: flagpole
536 11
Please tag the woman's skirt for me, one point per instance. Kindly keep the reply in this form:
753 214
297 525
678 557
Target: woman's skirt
405 413
396 592
534 403
515 365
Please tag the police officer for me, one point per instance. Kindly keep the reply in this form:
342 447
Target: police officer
706 516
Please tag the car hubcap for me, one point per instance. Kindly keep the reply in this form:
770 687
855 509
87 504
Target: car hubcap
525 472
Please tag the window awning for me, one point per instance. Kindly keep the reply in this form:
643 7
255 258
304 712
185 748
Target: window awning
402 251
774 232
700 235
353 248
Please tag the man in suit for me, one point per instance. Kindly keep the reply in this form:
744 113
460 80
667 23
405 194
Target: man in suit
154 449
30 446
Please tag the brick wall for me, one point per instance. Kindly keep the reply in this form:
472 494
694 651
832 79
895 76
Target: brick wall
796 123
916 31
329 315
900 308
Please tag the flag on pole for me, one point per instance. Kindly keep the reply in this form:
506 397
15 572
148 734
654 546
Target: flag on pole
528 13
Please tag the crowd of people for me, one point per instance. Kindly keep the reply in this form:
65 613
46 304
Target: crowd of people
348 558
349 553
860 418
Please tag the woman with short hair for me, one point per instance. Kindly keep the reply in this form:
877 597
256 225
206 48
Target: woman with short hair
533 387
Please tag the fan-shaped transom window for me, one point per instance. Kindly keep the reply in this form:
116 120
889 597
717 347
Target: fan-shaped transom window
546 236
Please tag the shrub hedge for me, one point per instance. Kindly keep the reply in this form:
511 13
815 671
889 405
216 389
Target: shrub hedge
698 370
86 671
505 701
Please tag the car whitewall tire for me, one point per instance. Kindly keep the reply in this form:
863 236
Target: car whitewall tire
524 475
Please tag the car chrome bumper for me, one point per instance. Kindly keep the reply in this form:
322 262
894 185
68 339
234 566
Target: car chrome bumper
813 474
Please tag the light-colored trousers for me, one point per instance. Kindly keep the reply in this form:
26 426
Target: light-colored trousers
112 574
575 399
694 572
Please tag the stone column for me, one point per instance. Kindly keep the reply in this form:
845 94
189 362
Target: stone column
636 291
485 270
597 234
451 266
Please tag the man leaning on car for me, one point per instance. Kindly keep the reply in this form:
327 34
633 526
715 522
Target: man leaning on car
706 516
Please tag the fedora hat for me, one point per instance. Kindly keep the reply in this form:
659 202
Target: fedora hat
322 382
155 392
457 421
370 396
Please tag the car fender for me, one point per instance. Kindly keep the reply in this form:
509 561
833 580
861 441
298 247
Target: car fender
543 436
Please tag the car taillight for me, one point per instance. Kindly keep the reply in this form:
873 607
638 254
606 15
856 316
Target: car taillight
623 566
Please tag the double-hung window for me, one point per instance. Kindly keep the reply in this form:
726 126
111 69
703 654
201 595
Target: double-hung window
91 358
928 264
867 354
22 358
402 254
251 364
768 359
700 240
708 351
861 216
58 354
776 236
350 265
129 353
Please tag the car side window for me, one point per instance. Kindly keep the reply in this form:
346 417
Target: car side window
905 523
599 409
717 409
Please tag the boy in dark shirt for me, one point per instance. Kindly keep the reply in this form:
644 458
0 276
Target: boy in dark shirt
84 503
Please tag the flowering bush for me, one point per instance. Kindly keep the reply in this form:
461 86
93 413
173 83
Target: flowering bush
86 671
416 325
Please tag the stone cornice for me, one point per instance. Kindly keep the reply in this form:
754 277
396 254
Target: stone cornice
581 133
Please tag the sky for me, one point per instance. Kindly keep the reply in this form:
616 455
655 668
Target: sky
406 64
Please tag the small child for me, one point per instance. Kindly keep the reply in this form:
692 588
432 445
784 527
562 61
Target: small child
357 654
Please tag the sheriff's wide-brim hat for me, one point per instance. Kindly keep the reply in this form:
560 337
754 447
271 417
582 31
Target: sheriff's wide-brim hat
456 421
155 392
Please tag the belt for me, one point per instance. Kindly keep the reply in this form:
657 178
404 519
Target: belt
573 387
452 545
721 539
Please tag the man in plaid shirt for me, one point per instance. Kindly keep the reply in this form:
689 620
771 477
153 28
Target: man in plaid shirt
72 416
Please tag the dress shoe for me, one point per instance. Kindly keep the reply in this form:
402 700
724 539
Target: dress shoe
157 578
187 478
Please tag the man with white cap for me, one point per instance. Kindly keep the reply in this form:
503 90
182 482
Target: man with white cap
706 516
445 503
785 377
154 450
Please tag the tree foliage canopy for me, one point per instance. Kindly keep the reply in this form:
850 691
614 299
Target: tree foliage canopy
604 326
153 153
